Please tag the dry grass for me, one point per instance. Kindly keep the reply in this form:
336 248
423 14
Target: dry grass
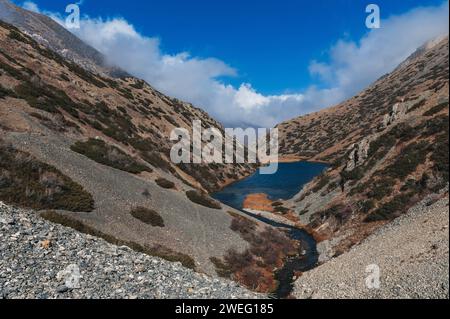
255 267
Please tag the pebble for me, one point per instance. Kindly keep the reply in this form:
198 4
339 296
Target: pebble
39 260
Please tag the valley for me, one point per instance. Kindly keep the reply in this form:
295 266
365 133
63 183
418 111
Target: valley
88 180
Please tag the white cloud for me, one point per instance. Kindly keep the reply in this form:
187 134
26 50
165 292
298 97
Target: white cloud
351 66
30 6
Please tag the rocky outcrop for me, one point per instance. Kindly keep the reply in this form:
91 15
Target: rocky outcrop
399 110
358 153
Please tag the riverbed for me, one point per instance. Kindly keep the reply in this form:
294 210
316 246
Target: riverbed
284 184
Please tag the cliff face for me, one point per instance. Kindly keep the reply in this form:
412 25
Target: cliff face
388 149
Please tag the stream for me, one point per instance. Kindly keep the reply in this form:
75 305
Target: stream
287 182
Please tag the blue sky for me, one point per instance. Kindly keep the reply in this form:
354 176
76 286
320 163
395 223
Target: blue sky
269 42
254 58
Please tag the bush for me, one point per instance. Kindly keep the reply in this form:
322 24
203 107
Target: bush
440 156
157 250
242 225
353 175
406 163
321 183
436 109
267 252
164 183
4 92
157 160
391 210
340 213
367 206
203 199
148 216
26 182
100 152
275 204
380 188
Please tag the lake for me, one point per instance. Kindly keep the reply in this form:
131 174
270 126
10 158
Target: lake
284 184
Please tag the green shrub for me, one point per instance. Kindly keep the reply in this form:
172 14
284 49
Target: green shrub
26 182
157 250
382 145
417 105
222 268
440 156
202 199
391 210
4 92
274 204
156 160
164 183
148 216
47 98
353 175
100 152
18 36
242 225
367 206
379 189
407 161
436 109
321 183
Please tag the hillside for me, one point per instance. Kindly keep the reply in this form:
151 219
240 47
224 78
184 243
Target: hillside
53 36
411 253
387 148
96 149
66 264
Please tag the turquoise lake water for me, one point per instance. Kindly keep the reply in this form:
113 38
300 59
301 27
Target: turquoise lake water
284 184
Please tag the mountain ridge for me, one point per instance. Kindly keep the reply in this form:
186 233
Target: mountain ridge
386 148
49 33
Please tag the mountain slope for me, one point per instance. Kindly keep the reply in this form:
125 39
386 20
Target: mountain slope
326 135
107 271
69 126
388 149
50 34
411 253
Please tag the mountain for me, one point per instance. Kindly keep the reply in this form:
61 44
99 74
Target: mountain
387 148
55 37
91 152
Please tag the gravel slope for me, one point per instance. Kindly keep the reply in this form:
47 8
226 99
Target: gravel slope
40 260
412 254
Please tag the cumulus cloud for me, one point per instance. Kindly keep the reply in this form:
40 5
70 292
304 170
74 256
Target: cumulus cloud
350 67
